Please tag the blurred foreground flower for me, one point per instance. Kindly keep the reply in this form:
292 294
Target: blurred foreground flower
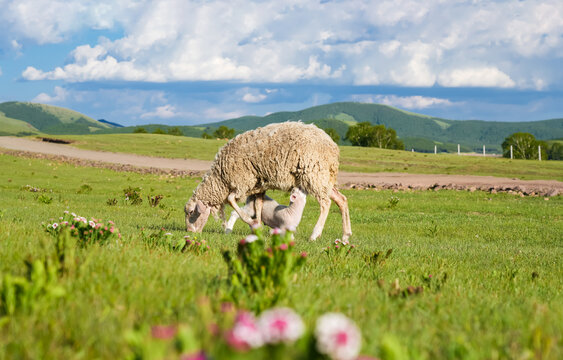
245 334
338 337
280 325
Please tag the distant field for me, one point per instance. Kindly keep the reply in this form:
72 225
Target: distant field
354 159
489 264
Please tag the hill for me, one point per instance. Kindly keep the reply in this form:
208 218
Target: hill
471 134
24 118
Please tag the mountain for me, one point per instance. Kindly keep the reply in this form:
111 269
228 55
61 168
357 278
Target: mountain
25 118
472 134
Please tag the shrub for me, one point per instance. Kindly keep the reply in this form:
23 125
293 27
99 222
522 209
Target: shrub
262 275
368 135
133 195
154 200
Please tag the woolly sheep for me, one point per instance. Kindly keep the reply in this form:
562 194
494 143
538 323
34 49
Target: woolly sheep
277 156
274 215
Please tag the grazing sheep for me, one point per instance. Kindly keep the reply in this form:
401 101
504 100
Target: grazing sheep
277 156
274 215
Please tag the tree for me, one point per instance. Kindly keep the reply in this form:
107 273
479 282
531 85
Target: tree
524 146
159 131
140 130
367 135
175 131
555 151
224 132
333 134
206 136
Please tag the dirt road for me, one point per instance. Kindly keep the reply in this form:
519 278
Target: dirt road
401 181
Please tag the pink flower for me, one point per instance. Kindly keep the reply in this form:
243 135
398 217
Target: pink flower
91 223
338 337
164 332
283 247
55 225
280 325
275 231
195 356
245 334
303 254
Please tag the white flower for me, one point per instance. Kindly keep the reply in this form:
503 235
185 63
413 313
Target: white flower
168 234
280 325
92 224
245 333
73 214
338 337
55 225
251 238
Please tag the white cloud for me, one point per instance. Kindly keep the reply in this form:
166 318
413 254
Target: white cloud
60 95
400 42
162 112
475 77
407 102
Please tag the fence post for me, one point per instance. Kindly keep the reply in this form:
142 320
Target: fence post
483 150
458 149
539 152
435 149
510 152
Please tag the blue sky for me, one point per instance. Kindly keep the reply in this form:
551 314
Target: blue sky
185 62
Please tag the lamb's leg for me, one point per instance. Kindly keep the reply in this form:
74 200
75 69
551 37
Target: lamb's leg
258 206
243 214
231 223
342 203
325 207
248 208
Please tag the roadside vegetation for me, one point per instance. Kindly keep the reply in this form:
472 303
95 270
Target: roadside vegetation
431 274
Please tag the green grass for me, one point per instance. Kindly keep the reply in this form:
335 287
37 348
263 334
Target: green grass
11 126
489 245
354 159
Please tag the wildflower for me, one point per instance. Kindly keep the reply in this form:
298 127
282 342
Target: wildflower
195 356
66 211
73 214
283 247
164 332
345 242
303 254
280 325
55 225
251 238
275 231
168 234
336 242
91 223
245 334
337 336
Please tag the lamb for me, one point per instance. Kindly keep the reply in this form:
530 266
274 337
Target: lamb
274 215
277 156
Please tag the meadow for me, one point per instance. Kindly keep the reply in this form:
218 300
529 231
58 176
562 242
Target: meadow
489 265
353 159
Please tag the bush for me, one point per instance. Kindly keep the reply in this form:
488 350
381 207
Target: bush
140 130
333 134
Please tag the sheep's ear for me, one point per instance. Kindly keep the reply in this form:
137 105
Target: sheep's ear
201 208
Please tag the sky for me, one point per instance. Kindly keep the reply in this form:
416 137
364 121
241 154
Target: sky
182 62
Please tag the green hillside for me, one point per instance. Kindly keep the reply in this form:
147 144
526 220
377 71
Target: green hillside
46 119
9 126
472 134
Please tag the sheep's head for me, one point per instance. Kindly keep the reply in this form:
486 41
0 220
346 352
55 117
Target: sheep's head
197 214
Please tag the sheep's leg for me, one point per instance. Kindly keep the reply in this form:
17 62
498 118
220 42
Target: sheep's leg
325 207
243 214
342 203
258 206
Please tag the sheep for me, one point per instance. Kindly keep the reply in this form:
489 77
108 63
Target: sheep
277 156
274 215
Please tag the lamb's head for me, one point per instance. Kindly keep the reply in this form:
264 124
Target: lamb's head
197 214
298 195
